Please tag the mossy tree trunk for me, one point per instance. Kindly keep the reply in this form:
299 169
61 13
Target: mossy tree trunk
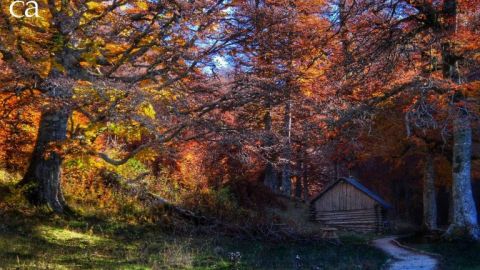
43 177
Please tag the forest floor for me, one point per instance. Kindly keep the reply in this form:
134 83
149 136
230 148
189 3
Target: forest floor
31 242
35 239
404 259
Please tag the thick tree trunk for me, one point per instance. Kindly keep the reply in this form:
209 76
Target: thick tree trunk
286 180
464 221
429 198
42 179
270 178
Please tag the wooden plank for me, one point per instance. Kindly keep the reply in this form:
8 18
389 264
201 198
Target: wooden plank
345 217
373 219
347 211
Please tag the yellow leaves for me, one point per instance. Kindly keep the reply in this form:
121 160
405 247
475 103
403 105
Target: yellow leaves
129 131
165 95
138 6
90 60
147 155
92 132
132 168
90 57
45 68
142 4
148 110
95 6
57 66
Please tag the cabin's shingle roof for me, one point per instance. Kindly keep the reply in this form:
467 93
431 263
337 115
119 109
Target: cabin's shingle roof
357 185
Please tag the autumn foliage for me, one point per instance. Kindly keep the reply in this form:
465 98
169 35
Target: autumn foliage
222 106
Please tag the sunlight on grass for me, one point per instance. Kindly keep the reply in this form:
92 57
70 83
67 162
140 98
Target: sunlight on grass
178 255
65 236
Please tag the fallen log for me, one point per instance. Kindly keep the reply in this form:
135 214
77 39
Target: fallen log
255 231
137 189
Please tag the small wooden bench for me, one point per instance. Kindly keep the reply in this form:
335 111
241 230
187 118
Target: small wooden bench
330 234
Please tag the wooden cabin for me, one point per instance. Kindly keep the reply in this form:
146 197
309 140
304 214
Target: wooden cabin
347 204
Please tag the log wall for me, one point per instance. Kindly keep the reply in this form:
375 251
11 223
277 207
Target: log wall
344 206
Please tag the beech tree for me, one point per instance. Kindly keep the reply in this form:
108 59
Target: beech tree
136 48
464 209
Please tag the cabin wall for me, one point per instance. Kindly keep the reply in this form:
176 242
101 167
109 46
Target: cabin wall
344 206
344 196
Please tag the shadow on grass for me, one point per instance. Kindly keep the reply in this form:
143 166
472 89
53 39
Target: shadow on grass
44 245
40 240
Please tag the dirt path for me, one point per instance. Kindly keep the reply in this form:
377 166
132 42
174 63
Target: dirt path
404 259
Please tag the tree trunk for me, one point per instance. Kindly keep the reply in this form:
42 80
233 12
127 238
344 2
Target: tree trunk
270 177
335 170
299 180
286 171
450 205
464 212
43 175
464 221
429 198
306 197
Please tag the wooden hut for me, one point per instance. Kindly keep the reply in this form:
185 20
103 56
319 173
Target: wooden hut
347 204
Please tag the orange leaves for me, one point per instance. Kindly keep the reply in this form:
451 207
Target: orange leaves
472 89
18 125
115 48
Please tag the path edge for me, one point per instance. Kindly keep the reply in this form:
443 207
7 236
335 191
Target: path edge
439 257
395 241
435 255
390 259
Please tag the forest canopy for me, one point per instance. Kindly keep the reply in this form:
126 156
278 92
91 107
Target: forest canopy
214 109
